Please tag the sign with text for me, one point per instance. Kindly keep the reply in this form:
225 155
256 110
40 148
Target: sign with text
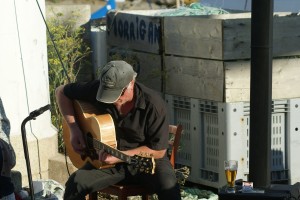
136 32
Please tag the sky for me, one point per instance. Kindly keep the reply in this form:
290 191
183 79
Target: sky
279 5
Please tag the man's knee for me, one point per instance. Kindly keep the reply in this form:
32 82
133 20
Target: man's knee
167 183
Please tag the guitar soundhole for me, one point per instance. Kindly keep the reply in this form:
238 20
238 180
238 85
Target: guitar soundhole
90 150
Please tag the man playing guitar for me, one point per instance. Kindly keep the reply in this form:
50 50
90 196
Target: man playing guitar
141 125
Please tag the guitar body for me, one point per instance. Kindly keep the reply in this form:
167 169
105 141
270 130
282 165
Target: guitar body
95 125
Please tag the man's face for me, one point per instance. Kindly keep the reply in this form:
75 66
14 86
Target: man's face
127 95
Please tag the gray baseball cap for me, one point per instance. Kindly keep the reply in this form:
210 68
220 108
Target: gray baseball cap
114 77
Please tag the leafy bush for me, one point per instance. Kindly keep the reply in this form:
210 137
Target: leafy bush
67 53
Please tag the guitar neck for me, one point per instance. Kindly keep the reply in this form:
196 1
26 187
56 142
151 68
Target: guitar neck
112 151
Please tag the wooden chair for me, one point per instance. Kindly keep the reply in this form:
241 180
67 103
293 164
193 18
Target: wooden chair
123 191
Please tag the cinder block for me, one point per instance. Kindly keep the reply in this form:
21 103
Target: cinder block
68 11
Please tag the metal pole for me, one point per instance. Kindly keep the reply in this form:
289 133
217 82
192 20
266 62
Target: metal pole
26 154
261 92
31 116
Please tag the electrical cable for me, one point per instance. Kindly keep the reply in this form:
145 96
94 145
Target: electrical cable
54 45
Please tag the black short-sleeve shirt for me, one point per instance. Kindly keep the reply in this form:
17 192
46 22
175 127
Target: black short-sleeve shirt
147 124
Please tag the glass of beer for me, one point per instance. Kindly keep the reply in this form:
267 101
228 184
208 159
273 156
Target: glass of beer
231 167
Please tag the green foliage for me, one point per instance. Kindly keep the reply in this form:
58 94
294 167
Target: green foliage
68 41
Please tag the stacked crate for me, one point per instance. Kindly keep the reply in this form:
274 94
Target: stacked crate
207 60
203 65
216 131
214 53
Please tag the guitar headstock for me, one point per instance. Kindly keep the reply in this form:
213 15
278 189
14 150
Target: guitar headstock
143 163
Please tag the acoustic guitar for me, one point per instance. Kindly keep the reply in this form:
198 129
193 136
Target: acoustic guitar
99 134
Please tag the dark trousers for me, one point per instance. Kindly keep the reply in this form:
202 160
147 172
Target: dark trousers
88 179
6 186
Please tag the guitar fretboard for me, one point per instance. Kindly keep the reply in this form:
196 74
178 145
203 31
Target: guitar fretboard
92 142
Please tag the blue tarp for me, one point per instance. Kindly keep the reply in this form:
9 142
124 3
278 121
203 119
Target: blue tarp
110 5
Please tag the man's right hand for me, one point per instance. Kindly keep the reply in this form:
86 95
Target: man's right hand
77 140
